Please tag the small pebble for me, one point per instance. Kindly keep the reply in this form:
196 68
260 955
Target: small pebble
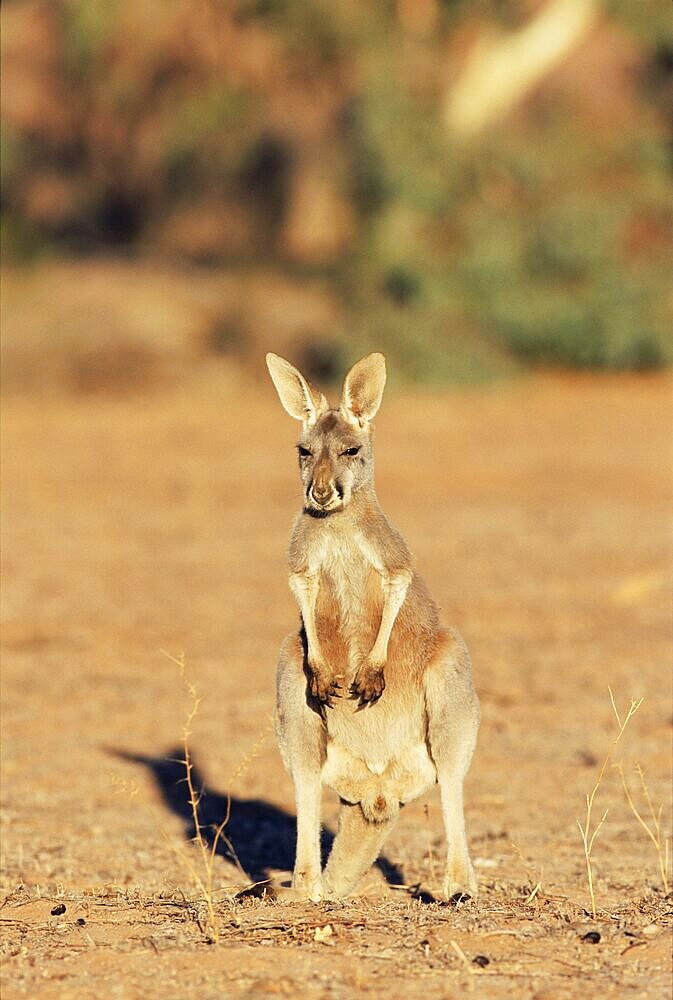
481 960
591 937
58 910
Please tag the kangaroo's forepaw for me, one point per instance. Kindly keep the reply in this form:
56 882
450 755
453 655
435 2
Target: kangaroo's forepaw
323 685
368 684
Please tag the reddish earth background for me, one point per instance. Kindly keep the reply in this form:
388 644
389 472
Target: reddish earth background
539 513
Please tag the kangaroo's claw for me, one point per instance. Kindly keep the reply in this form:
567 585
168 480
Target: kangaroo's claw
323 688
368 687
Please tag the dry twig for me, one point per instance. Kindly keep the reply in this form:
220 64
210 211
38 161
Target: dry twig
205 880
653 832
589 835
466 962
207 846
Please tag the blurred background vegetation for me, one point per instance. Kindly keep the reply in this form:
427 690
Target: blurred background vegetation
439 179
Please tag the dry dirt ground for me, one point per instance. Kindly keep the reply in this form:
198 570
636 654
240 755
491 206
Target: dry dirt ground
538 511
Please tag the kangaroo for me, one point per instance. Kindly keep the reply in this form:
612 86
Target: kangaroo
374 698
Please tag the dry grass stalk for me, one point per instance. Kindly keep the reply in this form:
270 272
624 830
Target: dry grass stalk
466 962
533 893
207 844
430 854
588 835
535 879
203 879
653 832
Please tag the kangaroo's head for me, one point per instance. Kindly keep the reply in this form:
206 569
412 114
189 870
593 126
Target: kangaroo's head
335 445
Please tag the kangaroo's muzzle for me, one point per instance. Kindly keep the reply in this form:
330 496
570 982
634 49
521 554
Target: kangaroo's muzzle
323 494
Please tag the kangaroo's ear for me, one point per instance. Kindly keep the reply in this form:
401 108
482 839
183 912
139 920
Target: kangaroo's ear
363 388
300 399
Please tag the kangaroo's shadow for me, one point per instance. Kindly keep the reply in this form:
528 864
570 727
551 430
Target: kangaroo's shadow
259 836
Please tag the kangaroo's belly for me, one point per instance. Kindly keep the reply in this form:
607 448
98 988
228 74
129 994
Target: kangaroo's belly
377 756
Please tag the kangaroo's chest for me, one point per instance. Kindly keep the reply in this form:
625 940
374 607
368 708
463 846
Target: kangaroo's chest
350 596
349 579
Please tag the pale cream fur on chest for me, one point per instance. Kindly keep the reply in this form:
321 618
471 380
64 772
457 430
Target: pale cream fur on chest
350 565
345 563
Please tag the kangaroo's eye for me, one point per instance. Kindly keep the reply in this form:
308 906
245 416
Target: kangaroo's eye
303 452
351 451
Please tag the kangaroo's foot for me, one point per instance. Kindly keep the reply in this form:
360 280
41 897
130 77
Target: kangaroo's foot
306 885
460 882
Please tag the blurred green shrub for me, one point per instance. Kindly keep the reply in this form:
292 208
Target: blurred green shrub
551 271
233 134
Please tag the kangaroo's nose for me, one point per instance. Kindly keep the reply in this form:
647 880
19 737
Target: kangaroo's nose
321 492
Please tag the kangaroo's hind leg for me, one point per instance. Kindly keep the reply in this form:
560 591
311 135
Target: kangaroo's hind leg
356 847
453 720
302 740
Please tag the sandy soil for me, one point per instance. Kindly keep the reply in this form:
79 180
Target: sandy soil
538 512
